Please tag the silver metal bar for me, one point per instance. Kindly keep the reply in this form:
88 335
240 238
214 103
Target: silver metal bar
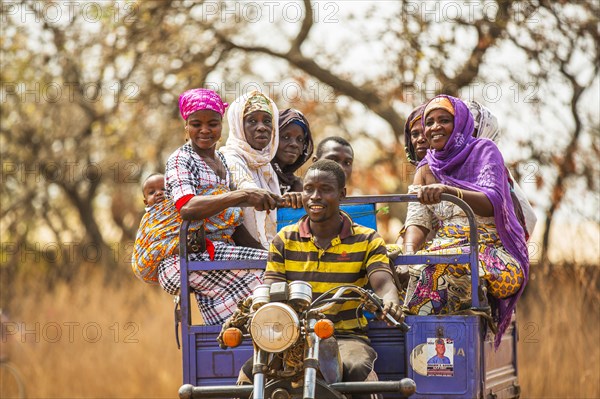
260 360
189 391
312 355
341 291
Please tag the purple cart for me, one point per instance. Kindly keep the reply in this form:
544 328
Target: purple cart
472 369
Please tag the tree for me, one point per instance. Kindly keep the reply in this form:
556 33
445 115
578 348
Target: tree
449 47
88 107
89 102
569 55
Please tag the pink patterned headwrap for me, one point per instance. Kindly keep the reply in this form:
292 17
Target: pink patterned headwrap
196 99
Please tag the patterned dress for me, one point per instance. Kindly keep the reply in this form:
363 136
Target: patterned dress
217 291
444 288
156 239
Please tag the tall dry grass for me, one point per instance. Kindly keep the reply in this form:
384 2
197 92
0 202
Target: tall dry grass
114 342
559 338
559 326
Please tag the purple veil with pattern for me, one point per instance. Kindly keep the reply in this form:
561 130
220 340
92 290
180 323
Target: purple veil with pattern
477 165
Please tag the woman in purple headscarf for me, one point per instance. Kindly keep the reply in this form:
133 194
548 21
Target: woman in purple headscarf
473 170
198 182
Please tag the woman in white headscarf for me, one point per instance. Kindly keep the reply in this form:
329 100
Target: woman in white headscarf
252 144
486 127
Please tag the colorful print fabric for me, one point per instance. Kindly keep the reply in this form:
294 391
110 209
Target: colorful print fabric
446 288
157 238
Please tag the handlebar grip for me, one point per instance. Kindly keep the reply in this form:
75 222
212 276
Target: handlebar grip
402 326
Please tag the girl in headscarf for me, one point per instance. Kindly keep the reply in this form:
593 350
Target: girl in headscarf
471 169
295 148
198 181
415 143
415 148
252 144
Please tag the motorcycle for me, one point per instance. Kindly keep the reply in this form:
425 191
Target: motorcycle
478 370
295 354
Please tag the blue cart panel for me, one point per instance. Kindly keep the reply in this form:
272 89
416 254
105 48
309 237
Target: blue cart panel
476 370
363 214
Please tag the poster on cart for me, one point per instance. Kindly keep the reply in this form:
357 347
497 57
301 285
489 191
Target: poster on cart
440 357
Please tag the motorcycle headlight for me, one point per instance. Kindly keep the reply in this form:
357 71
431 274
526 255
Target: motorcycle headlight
275 327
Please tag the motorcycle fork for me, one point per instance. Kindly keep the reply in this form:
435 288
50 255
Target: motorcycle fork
311 361
260 362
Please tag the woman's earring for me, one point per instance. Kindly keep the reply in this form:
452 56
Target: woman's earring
187 134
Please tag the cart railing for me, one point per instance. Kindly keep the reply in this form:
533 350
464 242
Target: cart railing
471 257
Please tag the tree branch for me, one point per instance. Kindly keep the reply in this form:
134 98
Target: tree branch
368 97
307 24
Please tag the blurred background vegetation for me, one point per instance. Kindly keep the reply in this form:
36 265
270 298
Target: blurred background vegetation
89 107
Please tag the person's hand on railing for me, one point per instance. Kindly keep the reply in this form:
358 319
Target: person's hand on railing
393 251
260 199
292 200
432 193
197 241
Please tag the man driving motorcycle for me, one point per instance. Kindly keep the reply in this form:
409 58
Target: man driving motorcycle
326 249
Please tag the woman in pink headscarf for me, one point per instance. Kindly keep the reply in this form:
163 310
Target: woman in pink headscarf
198 182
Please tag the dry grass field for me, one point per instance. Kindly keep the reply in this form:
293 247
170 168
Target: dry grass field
88 340
559 326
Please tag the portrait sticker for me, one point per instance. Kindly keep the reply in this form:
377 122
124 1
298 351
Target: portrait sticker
440 357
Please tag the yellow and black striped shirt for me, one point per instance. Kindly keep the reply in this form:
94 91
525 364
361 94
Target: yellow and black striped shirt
351 258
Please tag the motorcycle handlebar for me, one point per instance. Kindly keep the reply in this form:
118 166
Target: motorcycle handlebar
331 301
376 300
